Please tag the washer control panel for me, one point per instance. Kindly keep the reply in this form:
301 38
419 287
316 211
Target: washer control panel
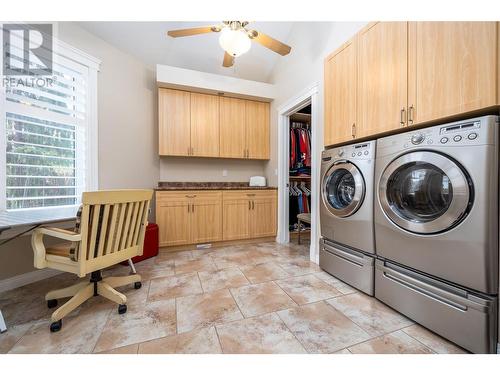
357 151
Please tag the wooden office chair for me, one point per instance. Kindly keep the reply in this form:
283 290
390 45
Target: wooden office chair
111 230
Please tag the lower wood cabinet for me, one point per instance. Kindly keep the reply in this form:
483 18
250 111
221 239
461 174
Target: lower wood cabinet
190 217
249 214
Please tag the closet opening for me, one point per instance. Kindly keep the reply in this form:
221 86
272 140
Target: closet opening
299 176
299 170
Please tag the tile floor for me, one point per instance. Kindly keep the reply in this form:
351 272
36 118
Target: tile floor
255 298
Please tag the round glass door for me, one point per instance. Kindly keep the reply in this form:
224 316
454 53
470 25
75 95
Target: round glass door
425 192
343 189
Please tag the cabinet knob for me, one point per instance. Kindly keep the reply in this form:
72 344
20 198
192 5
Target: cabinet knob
353 130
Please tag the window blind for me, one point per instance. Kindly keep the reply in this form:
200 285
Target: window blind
46 138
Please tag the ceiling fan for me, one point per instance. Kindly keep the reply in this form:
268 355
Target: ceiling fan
235 39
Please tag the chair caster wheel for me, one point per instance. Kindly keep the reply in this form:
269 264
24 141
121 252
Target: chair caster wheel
122 309
56 326
137 285
51 303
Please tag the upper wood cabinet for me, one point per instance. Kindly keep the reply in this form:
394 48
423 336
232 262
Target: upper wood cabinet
452 68
174 117
340 94
410 73
382 77
257 129
244 129
203 125
232 128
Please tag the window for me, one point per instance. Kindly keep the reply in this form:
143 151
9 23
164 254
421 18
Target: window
49 134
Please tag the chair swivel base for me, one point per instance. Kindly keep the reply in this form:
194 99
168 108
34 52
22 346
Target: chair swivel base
81 292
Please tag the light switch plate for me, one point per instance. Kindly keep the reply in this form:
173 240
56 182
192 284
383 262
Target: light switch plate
224 173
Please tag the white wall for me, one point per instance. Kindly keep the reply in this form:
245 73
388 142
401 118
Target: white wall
311 42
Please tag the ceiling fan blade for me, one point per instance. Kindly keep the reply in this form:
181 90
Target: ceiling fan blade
228 60
268 42
193 31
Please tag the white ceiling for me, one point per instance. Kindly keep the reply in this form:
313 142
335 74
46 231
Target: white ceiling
148 42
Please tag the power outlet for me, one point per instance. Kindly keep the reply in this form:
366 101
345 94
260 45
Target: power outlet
224 173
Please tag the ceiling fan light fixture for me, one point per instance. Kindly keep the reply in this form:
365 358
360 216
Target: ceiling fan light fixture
234 42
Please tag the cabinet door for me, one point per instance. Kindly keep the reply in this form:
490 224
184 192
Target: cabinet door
232 128
204 125
235 217
452 68
340 94
206 218
173 221
263 217
174 122
257 129
382 78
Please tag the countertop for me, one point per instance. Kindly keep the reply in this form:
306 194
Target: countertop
170 186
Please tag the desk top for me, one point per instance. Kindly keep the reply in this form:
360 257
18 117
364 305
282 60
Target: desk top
12 219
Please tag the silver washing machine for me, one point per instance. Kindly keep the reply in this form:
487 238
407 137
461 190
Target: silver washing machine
436 228
347 247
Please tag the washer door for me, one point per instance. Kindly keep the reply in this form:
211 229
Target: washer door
425 192
343 189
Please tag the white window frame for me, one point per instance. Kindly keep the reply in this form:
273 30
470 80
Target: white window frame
91 65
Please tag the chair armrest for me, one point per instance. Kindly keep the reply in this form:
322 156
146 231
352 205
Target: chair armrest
63 234
39 248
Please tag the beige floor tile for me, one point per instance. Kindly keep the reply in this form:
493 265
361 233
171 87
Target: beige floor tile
222 279
298 267
343 351
173 255
263 334
307 289
174 286
371 315
336 283
431 340
161 269
258 299
205 310
264 272
12 336
129 349
202 341
194 265
321 328
394 343
151 321
79 334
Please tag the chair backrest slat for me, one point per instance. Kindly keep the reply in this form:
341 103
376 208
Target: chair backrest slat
131 230
126 226
140 221
104 230
94 228
116 244
111 233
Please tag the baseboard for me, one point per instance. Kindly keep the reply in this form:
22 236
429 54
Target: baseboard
27 278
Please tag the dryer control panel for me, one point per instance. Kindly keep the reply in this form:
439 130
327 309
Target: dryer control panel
474 132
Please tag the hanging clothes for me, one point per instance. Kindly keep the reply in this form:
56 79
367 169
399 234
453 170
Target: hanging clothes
300 149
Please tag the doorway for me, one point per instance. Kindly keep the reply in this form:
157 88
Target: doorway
299 172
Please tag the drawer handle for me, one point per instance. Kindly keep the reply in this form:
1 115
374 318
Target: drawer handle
250 195
402 119
191 196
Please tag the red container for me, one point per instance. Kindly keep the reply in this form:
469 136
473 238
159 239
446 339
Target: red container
150 244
